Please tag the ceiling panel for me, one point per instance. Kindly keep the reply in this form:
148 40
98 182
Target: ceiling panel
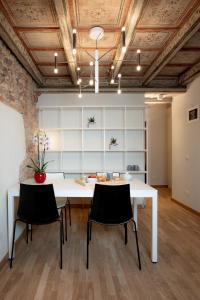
146 57
31 13
48 71
162 13
186 57
194 41
131 70
170 70
150 39
99 12
48 56
109 40
84 57
41 39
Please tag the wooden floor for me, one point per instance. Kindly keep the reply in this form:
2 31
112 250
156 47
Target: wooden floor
113 272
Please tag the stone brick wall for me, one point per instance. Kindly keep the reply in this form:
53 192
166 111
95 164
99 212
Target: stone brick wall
18 90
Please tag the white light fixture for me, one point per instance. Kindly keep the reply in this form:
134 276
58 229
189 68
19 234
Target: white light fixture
74 41
112 81
55 63
138 68
80 93
91 82
119 91
56 70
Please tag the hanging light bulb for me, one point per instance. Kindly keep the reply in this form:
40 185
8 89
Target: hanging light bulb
79 81
91 63
138 68
80 93
119 91
119 75
112 81
74 42
55 63
123 31
91 82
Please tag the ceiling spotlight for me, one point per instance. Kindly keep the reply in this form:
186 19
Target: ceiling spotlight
56 70
119 91
74 51
55 54
138 68
112 81
91 82
138 51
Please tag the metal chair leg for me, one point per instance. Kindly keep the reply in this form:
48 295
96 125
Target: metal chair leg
31 232
88 237
65 224
90 231
138 250
13 241
61 239
69 207
27 233
126 236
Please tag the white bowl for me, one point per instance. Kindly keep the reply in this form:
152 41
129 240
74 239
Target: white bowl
126 177
91 180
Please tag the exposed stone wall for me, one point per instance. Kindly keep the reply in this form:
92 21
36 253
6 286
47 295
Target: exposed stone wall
17 89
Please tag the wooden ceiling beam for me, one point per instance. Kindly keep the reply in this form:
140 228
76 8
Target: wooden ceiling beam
156 29
46 49
11 39
37 29
62 11
191 26
106 29
130 25
190 74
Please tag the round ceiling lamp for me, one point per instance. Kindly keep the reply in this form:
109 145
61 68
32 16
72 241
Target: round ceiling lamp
96 33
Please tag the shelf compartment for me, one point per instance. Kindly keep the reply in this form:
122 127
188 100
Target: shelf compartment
93 140
54 139
71 117
134 140
54 159
119 135
71 161
92 161
72 140
114 161
97 113
136 158
114 117
49 118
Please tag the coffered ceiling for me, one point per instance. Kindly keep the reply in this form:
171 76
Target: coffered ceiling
166 32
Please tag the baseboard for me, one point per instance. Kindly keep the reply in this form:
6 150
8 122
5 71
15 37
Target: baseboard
5 258
186 207
159 185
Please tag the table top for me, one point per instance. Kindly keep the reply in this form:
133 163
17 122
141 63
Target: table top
70 188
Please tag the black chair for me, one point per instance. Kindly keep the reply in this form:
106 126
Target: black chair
111 205
37 206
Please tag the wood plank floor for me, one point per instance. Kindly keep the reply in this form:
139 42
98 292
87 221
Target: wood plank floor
113 272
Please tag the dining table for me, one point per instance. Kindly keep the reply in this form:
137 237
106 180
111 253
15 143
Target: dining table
72 189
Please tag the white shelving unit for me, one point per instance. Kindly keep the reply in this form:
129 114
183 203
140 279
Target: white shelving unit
78 149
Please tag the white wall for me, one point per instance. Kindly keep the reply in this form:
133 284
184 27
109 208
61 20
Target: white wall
12 153
186 149
91 99
156 116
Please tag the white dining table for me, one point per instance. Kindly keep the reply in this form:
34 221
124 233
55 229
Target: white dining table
70 188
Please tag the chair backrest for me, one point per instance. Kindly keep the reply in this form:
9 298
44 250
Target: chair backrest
55 175
37 204
111 204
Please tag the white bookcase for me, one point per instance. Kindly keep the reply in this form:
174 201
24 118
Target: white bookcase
78 149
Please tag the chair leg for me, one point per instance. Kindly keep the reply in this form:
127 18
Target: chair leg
61 240
27 233
13 241
88 240
90 231
138 250
31 232
69 207
126 236
65 223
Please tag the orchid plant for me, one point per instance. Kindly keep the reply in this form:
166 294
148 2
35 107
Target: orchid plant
41 142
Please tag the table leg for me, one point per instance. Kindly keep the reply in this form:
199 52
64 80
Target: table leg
10 223
154 235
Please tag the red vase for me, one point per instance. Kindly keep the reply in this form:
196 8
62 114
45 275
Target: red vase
40 177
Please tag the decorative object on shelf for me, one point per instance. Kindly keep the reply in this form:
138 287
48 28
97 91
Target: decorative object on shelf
39 166
91 121
113 142
133 168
